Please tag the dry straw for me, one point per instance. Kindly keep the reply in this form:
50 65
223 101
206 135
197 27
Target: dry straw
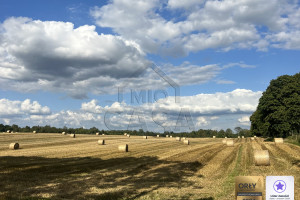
178 138
224 141
14 146
145 137
183 138
101 142
72 135
225 137
261 157
230 143
252 138
103 134
278 140
239 137
123 147
187 142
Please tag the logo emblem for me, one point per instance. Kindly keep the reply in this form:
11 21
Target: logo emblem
279 186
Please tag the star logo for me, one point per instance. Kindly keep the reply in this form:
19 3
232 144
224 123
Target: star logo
279 186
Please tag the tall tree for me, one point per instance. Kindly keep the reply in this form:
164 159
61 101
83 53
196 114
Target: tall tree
278 111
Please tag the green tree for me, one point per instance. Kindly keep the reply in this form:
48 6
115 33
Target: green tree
278 111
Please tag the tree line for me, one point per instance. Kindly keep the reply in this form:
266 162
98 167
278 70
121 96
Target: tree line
238 131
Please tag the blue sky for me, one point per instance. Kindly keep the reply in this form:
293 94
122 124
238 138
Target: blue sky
62 62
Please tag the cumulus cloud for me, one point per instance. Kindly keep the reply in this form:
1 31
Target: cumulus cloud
244 120
53 55
91 106
237 101
221 110
26 107
202 25
201 121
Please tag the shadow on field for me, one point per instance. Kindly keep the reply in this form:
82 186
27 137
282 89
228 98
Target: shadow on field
90 178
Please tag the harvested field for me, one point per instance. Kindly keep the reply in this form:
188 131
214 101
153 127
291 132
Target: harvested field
56 166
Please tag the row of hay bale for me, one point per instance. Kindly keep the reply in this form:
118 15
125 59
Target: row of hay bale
184 140
9 131
262 157
122 147
228 142
72 135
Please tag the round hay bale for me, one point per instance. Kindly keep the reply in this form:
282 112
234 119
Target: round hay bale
230 143
171 136
278 140
73 135
243 136
34 131
261 157
145 137
123 147
167 135
239 137
187 142
178 138
225 137
14 146
183 138
103 134
97 133
252 138
224 141
255 136
125 134
63 133
8 131
101 142
214 136
157 136
128 135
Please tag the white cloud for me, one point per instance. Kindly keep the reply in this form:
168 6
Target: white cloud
91 107
240 64
198 25
184 4
55 56
225 82
244 120
221 110
237 101
201 121
13 108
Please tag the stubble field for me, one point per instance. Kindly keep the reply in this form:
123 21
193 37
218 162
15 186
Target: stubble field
55 166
